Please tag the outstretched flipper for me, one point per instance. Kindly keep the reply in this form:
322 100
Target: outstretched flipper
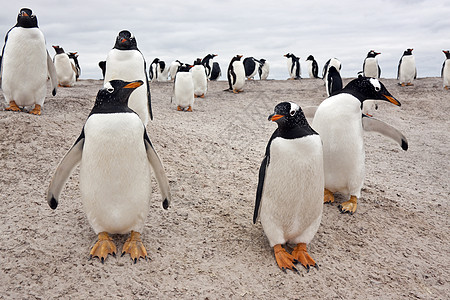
52 72
372 124
160 174
65 168
149 97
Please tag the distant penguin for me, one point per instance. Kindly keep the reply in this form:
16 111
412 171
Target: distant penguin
313 67
126 62
173 69
153 70
163 71
370 66
25 65
333 82
199 79
236 74
445 72
289 197
64 68
73 56
251 66
407 71
215 72
331 62
294 68
207 62
102 66
116 159
184 89
340 123
264 69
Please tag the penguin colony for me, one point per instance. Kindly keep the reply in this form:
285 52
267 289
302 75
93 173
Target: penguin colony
303 166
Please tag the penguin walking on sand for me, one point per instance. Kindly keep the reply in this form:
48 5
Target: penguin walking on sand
445 72
126 62
264 69
313 67
183 89
207 62
370 65
199 79
289 197
332 62
294 68
333 81
236 74
116 159
173 69
341 124
73 56
215 72
64 68
407 71
25 65
251 66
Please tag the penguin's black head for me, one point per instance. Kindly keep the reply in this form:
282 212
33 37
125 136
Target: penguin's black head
262 60
58 49
26 19
365 88
288 115
197 62
447 53
372 53
310 58
125 41
237 58
184 68
290 55
408 52
73 55
117 91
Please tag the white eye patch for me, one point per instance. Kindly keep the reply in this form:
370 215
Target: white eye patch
109 87
375 83
294 108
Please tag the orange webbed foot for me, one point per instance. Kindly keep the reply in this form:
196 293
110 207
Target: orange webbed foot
133 245
179 108
189 108
302 256
349 206
36 110
284 259
103 247
328 196
13 106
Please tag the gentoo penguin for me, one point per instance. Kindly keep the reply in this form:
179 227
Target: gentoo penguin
370 65
333 81
264 69
340 123
173 69
293 64
153 70
331 62
215 72
289 197
407 71
445 72
116 157
183 89
64 68
126 62
163 71
73 56
199 79
102 66
313 67
236 74
207 62
25 65
251 66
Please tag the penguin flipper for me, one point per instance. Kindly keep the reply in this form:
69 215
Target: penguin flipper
259 190
149 97
52 72
63 171
398 70
379 72
372 124
158 169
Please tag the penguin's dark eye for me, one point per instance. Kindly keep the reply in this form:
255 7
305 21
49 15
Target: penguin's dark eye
292 112
377 88
110 90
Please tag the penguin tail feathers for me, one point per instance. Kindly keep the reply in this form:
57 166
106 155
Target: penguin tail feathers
54 92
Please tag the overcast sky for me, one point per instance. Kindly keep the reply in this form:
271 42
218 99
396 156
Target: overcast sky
185 30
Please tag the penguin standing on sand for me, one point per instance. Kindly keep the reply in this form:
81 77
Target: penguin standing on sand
341 124
333 82
293 64
407 71
207 62
25 65
116 160
236 74
313 67
199 79
215 72
173 69
289 197
264 69
126 62
370 65
73 56
158 70
183 89
64 68
445 72
251 67
336 63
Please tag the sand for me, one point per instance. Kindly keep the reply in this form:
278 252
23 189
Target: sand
205 245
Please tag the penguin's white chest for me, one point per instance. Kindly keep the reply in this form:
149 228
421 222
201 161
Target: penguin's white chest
239 70
446 73
292 199
199 79
184 89
371 67
24 67
407 70
115 175
265 71
338 122
128 65
64 70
